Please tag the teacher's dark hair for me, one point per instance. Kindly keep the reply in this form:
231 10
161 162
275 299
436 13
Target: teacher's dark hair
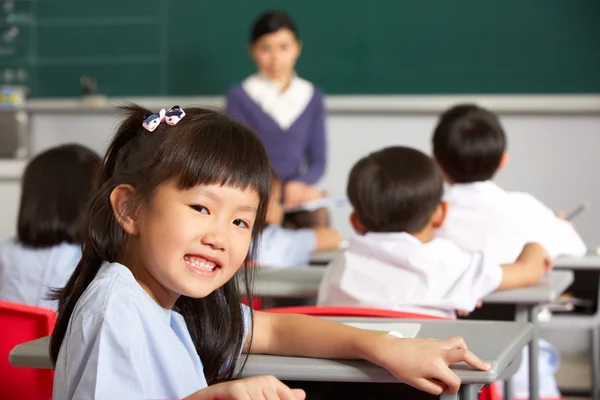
272 21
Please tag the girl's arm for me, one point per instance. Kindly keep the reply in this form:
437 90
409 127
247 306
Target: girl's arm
422 363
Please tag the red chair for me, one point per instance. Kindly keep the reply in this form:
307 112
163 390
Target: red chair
22 323
488 393
256 303
320 311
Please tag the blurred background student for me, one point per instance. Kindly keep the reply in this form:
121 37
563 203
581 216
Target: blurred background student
284 247
55 189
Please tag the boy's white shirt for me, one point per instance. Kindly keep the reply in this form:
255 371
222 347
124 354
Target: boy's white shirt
484 217
396 271
283 107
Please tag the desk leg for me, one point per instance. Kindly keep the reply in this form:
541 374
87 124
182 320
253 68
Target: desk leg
468 392
534 384
521 315
595 347
449 396
508 389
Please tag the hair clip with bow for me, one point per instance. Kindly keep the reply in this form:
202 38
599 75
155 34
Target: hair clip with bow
171 116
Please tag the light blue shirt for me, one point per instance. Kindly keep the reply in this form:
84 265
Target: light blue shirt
281 247
120 344
27 274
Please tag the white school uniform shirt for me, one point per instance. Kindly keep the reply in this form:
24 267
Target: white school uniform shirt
281 247
396 271
484 217
27 274
284 107
120 344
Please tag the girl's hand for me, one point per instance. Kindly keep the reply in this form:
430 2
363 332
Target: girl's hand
255 388
423 363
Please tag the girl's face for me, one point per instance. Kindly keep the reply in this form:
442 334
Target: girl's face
191 242
275 54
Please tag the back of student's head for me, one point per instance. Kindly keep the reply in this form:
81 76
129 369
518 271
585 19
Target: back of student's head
396 189
469 143
55 188
204 148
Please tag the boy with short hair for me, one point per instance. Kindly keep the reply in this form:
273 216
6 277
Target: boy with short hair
469 145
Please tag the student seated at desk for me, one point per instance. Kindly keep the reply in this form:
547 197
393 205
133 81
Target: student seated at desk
395 262
469 145
283 247
56 186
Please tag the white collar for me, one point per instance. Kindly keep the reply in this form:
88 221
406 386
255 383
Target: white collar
284 107
472 194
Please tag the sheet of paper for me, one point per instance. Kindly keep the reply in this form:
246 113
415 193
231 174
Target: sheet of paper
323 202
406 329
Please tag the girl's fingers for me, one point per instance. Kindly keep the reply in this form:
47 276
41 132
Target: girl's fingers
448 380
299 393
430 386
464 355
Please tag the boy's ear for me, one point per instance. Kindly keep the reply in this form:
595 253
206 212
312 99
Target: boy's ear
120 199
356 224
503 161
439 215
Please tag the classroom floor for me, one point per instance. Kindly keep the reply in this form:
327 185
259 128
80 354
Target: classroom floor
574 373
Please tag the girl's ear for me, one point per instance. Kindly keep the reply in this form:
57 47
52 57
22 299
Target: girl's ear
120 200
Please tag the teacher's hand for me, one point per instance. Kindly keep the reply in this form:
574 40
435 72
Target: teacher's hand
297 192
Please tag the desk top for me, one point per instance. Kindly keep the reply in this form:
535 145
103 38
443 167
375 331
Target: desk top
300 282
324 257
495 342
549 289
304 283
590 261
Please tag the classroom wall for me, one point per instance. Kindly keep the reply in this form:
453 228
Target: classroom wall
553 156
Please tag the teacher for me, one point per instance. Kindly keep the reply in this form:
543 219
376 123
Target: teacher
286 111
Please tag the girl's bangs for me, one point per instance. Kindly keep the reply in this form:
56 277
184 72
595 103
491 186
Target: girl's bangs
229 157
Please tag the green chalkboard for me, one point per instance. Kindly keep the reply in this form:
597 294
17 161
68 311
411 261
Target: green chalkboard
199 47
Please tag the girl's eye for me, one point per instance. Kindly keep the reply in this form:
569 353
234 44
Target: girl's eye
200 209
241 223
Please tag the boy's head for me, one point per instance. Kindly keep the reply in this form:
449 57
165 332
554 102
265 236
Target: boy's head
396 189
469 144
275 210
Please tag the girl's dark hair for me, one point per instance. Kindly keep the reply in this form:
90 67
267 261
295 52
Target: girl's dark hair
270 22
205 147
55 189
